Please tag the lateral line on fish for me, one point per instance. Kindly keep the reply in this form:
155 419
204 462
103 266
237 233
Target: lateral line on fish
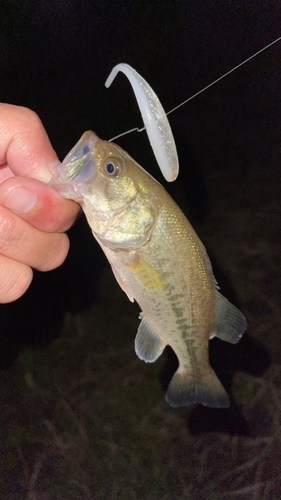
137 129
193 358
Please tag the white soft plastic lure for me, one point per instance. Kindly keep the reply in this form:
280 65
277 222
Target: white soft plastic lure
155 120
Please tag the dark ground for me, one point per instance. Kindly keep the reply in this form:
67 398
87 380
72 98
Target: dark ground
81 416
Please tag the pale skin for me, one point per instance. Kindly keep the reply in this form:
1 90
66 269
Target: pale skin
33 216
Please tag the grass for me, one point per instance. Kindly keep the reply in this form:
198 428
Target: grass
89 421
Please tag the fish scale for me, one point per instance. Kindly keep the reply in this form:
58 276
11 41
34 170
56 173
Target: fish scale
159 261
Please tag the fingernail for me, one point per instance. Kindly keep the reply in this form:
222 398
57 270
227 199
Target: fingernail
46 174
20 200
54 166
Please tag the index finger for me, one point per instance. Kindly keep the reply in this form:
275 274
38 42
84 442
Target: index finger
24 143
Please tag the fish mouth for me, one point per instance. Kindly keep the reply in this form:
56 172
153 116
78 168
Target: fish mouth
79 163
77 167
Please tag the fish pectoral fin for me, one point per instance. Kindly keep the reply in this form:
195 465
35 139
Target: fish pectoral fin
122 284
149 277
187 390
230 323
148 345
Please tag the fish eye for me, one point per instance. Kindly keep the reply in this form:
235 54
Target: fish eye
112 167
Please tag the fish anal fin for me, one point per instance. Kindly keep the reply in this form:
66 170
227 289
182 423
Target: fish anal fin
148 345
122 284
147 275
230 323
187 390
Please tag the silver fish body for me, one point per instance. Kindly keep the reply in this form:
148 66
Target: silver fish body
158 260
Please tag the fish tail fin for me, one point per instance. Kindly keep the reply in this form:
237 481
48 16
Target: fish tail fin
186 390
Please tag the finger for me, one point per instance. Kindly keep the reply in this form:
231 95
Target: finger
24 243
15 279
38 204
5 172
24 143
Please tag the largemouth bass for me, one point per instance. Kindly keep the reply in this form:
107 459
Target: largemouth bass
158 260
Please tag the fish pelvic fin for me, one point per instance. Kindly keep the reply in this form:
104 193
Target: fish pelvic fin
230 323
187 390
148 345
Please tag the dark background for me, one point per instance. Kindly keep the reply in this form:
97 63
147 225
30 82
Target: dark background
55 58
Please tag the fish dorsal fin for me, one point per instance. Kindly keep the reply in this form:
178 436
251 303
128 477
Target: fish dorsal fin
208 263
230 322
148 345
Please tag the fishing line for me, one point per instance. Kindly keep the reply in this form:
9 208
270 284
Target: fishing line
136 129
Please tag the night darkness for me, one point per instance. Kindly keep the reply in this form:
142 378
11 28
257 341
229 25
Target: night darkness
82 417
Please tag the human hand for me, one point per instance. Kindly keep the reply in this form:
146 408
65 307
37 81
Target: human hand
33 216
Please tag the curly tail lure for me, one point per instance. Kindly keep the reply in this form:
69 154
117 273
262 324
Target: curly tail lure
155 119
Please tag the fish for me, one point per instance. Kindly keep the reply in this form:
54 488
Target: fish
158 261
